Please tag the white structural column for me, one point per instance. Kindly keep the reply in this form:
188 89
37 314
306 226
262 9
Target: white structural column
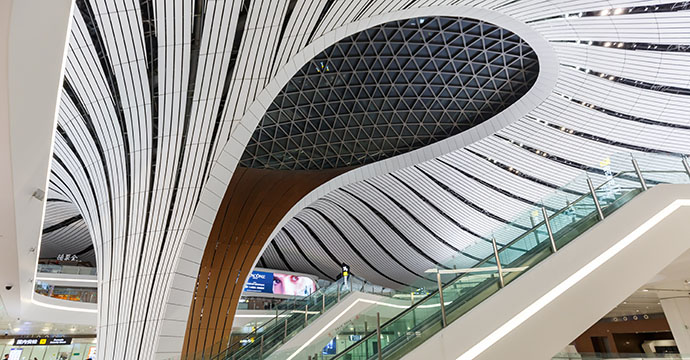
676 307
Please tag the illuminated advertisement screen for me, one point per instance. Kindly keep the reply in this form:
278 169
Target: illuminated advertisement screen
259 281
280 284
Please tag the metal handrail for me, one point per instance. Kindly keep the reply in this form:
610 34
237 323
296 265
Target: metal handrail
486 260
254 333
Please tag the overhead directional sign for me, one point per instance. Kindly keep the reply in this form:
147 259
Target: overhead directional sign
44 340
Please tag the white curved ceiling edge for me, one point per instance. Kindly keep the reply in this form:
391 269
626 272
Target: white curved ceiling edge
35 66
199 230
548 73
72 307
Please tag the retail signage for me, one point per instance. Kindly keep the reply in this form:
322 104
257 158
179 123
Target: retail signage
67 257
46 340
92 353
346 269
280 284
15 354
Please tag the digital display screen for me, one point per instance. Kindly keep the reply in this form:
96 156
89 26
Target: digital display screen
280 284
259 281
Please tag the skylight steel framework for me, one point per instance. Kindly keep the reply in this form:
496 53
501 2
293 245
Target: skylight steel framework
391 89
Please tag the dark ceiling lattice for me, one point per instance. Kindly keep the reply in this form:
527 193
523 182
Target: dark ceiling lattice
391 89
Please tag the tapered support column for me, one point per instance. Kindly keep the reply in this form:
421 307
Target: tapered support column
676 307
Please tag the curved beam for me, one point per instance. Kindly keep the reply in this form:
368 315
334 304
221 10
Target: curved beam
210 203
253 204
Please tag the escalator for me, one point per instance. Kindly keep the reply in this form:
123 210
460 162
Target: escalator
306 315
469 288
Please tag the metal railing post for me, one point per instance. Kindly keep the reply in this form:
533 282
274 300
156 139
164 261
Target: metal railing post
285 331
440 294
366 348
338 287
548 229
531 220
594 197
306 314
261 349
323 303
378 335
686 165
639 174
498 263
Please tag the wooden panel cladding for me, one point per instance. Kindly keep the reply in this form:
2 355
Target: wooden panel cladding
255 201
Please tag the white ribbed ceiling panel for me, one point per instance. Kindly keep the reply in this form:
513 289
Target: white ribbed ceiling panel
161 97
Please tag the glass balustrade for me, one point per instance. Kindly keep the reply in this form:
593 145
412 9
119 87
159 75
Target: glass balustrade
66 269
70 293
520 245
293 316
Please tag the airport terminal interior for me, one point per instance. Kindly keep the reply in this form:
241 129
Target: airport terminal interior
344 179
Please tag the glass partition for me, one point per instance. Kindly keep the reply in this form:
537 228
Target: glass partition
293 316
70 293
66 269
521 244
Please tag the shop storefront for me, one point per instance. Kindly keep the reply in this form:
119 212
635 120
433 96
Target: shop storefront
49 348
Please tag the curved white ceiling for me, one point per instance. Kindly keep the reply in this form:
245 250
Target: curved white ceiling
153 120
419 217
65 232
